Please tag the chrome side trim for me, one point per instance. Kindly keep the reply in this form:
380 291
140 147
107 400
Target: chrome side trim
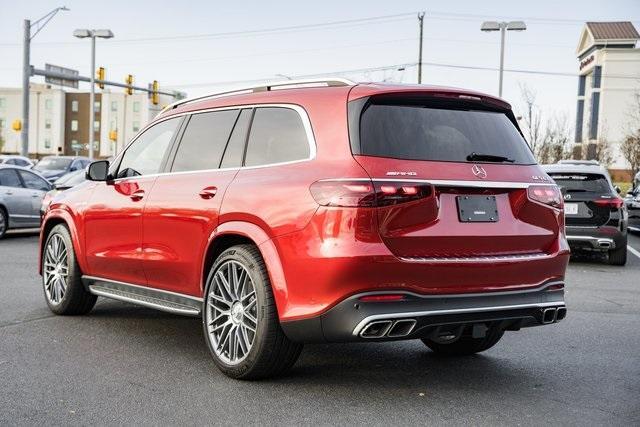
391 316
168 301
451 183
476 259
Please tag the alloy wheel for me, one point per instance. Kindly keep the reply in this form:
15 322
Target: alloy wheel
231 312
56 269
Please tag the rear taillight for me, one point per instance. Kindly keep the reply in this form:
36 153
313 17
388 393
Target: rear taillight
347 193
546 194
614 203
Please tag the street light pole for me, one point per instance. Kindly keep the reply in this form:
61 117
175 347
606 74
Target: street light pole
92 97
503 27
26 73
82 34
421 23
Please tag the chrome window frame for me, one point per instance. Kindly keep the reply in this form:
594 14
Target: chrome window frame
302 113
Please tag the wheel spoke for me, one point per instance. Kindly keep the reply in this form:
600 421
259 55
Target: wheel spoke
249 316
218 299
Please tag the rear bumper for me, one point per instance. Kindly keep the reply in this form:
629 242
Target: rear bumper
597 238
418 316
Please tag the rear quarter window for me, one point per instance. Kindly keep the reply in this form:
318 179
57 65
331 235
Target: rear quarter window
420 132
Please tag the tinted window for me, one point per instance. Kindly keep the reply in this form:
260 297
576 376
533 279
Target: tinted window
204 140
145 155
11 162
22 162
582 182
235 148
34 182
277 135
416 132
9 178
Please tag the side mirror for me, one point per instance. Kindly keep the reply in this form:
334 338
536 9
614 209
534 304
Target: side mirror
618 190
98 171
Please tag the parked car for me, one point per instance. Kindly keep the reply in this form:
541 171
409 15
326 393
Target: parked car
66 182
10 159
323 211
595 216
54 167
21 193
632 202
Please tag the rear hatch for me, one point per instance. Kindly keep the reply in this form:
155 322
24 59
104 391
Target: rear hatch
473 168
587 196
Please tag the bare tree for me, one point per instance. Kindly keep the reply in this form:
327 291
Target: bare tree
630 146
531 118
556 144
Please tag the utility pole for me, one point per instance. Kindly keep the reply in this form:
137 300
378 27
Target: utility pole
92 97
421 23
26 74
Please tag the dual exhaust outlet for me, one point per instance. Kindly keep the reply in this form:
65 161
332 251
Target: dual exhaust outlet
388 328
553 314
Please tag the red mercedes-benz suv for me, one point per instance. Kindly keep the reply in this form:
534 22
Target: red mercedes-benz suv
318 211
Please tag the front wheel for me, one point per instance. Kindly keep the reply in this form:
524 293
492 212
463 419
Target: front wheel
61 276
465 345
240 319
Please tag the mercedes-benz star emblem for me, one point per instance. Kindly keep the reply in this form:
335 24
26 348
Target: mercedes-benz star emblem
479 171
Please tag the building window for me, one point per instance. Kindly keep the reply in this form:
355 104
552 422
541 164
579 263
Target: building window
582 80
96 106
47 143
114 105
595 105
74 125
579 118
48 104
74 106
96 125
136 126
597 76
136 106
3 102
47 123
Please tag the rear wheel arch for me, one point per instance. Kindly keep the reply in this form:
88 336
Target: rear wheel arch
237 233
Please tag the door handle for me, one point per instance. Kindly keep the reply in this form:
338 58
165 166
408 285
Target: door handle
9 193
137 195
208 192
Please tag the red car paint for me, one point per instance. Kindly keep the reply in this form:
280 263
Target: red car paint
156 230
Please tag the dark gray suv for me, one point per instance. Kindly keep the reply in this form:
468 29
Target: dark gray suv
595 216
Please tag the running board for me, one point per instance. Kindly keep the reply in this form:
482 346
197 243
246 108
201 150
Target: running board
170 302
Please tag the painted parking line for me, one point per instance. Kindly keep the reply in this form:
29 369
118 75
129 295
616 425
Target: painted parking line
633 251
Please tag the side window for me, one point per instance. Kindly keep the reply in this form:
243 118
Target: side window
11 162
204 140
277 135
34 182
144 156
235 148
22 162
9 178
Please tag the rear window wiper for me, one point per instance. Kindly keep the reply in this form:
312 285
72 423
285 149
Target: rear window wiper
488 158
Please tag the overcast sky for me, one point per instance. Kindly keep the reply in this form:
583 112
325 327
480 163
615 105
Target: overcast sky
187 45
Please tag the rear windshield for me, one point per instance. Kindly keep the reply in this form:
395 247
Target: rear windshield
416 132
582 182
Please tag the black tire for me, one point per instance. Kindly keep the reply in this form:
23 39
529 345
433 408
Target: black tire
619 256
76 299
4 222
466 345
271 353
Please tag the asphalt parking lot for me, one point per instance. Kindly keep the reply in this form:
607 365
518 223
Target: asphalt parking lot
127 365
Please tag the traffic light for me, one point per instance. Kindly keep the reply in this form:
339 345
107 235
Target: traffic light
113 135
129 81
154 94
17 125
100 76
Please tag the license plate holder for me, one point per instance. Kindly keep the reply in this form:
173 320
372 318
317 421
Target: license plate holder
477 208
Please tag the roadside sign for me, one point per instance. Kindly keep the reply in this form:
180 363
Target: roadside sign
77 147
61 70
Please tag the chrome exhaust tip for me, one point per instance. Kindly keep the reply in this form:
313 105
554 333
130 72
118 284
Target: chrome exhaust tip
604 244
561 313
548 315
376 329
401 328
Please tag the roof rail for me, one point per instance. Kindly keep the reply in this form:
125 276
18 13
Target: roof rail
579 162
286 84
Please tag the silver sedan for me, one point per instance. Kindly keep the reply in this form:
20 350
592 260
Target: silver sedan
21 193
